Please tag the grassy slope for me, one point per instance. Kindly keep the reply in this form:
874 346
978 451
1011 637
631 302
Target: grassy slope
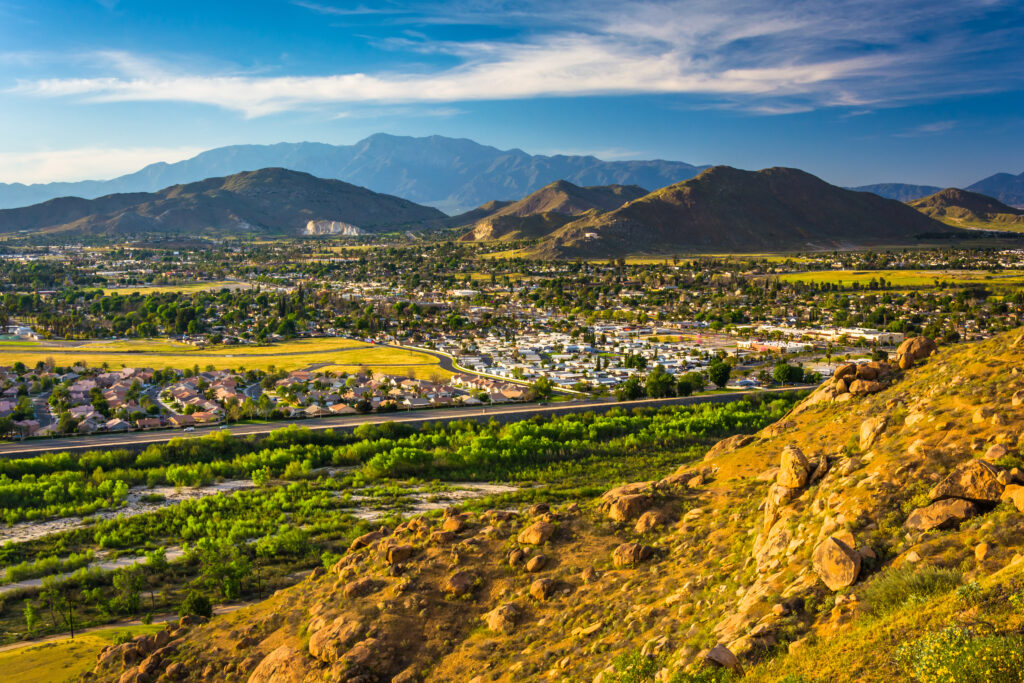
703 584
61 659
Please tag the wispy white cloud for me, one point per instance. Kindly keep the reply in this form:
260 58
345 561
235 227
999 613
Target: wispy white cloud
766 57
84 162
928 129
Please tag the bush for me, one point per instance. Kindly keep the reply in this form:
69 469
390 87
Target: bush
706 675
196 604
958 655
895 587
633 667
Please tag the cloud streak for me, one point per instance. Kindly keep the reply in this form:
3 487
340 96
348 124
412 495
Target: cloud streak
84 162
764 57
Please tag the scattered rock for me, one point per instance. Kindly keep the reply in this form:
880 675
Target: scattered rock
650 520
537 533
503 618
365 540
915 349
860 387
793 468
330 643
516 557
943 514
283 665
459 583
398 554
541 589
630 554
981 551
625 508
870 430
836 564
974 480
721 656
536 563
359 587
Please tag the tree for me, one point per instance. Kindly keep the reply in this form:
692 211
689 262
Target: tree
718 373
128 584
542 389
31 618
660 384
630 390
195 604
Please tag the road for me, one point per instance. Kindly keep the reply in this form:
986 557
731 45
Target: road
502 413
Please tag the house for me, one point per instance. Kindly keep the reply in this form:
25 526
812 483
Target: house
205 417
181 420
116 425
342 409
149 423
314 411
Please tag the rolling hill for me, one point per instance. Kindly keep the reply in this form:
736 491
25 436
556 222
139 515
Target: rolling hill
269 201
729 210
451 174
549 208
873 534
970 210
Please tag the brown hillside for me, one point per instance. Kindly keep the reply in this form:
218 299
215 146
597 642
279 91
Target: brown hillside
549 208
966 209
271 200
780 548
729 210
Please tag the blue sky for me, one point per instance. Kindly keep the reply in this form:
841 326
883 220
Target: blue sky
855 91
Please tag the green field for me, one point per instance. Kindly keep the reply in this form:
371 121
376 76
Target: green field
187 287
910 278
339 354
61 659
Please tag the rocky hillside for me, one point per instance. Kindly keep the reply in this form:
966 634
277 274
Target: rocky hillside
728 210
873 534
269 201
970 210
549 208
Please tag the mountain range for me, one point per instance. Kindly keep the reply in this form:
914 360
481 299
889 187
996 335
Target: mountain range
269 201
1005 187
728 210
545 210
453 175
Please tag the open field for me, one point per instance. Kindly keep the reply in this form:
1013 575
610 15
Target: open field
339 354
910 278
62 659
187 287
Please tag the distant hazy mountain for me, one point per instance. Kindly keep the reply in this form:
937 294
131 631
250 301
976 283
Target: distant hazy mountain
728 210
970 210
1007 188
549 208
268 201
451 174
899 191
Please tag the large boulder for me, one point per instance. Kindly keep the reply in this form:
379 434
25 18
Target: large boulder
630 554
459 583
625 508
537 533
914 349
836 563
793 468
844 371
860 387
649 521
283 665
503 618
541 589
330 643
974 480
722 657
870 429
943 514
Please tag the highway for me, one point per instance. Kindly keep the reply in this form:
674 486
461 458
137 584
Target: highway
501 413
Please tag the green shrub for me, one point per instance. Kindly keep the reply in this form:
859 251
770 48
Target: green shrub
894 588
197 604
705 675
958 655
969 594
633 667
1017 601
